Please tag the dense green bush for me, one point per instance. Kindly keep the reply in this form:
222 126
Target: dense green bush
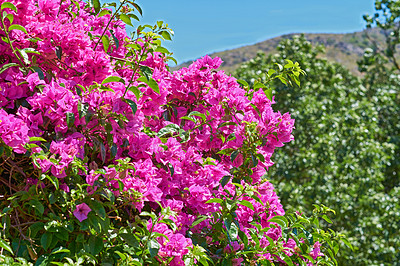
108 158
346 148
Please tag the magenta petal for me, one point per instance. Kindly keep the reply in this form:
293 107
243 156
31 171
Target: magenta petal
81 212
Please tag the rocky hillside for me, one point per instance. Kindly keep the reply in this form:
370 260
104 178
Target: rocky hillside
345 49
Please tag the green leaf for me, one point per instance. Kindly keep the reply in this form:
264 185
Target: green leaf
97 6
113 79
95 245
136 91
153 85
188 118
138 8
126 19
171 169
98 208
199 219
258 85
10 17
326 218
166 35
234 155
60 250
59 52
8 5
268 93
104 12
7 66
114 150
153 247
233 231
106 42
225 180
133 105
196 113
37 205
347 243
36 139
246 203
255 160
102 152
133 16
287 259
282 221
53 180
162 50
243 83
130 239
70 117
115 39
24 55
45 240
39 71
17 27
168 129
4 244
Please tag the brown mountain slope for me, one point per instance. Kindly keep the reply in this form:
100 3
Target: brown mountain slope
345 49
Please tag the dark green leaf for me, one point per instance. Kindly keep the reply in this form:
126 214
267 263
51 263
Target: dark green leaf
59 52
45 240
116 41
234 155
102 152
95 245
153 247
133 105
98 208
130 239
114 150
39 71
53 180
70 117
138 8
225 180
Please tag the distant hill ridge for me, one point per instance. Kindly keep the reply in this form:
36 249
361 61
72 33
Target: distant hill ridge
344 48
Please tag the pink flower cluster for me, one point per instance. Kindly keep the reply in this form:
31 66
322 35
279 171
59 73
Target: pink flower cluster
77 123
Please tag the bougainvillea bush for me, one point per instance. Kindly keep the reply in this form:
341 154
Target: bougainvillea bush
109 158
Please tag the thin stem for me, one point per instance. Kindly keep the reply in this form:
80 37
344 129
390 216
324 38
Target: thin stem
10 43
135 68
108 24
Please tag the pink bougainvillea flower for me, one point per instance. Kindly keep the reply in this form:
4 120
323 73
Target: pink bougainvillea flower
81 212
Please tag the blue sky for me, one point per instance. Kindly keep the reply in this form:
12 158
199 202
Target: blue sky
207 26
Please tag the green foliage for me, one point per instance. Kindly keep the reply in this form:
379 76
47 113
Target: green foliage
346 148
